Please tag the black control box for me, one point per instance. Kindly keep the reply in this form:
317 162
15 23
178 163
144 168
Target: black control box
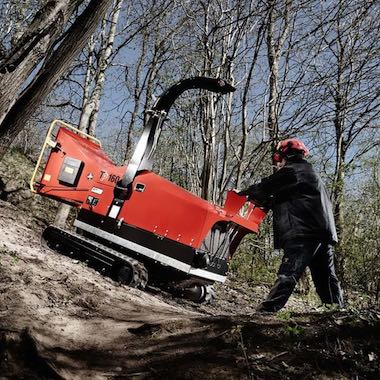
70 172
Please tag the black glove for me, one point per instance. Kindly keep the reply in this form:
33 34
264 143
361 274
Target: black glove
265 203
243 192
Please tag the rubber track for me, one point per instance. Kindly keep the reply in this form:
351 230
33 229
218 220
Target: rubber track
97 251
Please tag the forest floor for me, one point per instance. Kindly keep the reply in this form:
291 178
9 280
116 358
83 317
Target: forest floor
61 319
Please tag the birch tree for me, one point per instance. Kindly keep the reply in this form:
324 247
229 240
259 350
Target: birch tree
278 19
91 100
94 82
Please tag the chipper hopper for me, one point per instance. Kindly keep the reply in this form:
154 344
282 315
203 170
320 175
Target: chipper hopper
134 225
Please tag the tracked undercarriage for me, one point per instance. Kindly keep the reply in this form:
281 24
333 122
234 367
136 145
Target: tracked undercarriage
106 260
119 266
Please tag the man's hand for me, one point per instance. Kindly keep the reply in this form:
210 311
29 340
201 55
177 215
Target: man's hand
240 192
264 204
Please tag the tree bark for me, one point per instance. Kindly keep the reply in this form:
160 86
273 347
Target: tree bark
30 48
92 106
91 103
14 119
274 51
338 185
137 93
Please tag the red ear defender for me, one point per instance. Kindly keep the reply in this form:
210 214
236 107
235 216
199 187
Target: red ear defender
276 157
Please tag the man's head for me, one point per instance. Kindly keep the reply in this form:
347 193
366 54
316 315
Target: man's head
287 149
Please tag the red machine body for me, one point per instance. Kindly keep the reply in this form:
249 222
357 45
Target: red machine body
155 204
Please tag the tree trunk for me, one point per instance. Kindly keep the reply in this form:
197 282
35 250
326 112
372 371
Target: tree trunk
209 149
104 61
244 108
29 49
89 115
340 102
63 212
86 111
274 51
207 114
338 198
14 119
137 93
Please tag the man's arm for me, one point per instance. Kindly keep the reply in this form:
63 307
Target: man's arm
279 184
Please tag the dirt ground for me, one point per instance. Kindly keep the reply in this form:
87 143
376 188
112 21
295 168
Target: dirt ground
62 320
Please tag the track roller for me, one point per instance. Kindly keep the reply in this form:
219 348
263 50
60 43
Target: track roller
199 293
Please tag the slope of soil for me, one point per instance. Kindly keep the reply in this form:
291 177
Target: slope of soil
60 319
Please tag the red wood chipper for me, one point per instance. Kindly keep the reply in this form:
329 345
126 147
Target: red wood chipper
134 225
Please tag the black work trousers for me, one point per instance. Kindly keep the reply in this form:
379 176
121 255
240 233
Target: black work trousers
299 254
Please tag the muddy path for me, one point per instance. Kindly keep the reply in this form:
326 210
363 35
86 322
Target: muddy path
60 319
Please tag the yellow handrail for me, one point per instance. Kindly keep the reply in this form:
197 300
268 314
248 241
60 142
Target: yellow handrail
49 142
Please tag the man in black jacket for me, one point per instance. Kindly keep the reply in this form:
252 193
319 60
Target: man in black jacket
303 225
